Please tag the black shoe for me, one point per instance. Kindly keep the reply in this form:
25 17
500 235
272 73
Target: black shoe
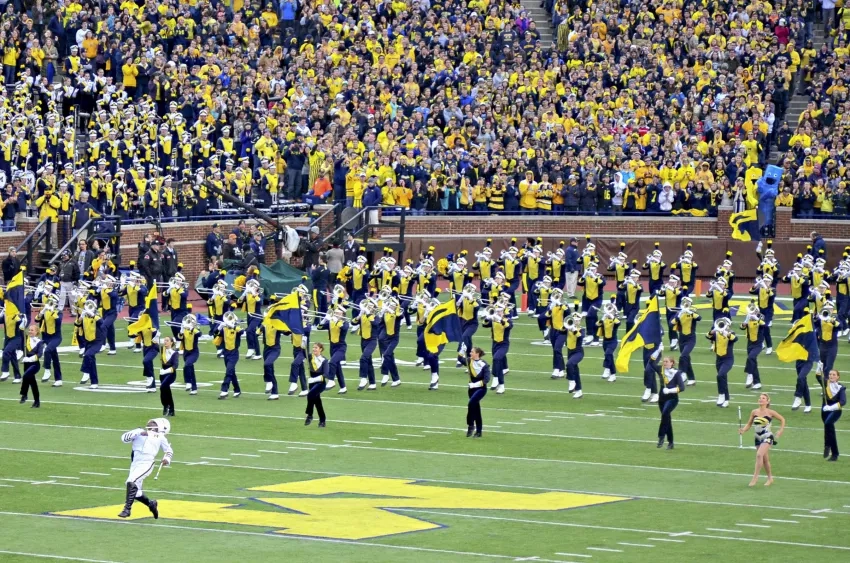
477 434
308 421
670 446
154 510
36 405
833 458
124 514
23 400
660 443
469 430
826 452
322 424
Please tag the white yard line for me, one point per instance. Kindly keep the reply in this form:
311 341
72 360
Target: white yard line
245 455
93 473
424 432
536 420
356 442
635 544
809 516
605 549
272 452
573 554
780 521
666 539
301 448
216 458
752 525
63 477
385 439
723 530
59 557
413 435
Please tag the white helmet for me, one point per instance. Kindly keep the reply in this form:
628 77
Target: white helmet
230 319
158 426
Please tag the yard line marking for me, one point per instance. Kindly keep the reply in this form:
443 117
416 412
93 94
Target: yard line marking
680 534
559 416
8 486
60 557
198 463
424 432
216 458
245 455
635 544
573 554
412 435
272 452
821 510
536 420
379 438
118 468
42 482
724 530
780 521
752 525
771 542
535 558
63 477
515 423
631 409
666 539
605 549
299 448
93 473
356 442
809 516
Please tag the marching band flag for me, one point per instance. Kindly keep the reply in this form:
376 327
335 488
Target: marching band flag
745 225
647 331
285 315
800 344
442 326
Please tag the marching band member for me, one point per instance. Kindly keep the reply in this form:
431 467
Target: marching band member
484 265
419 306
135 293
479 375
219 305
606 327
769 265
719 295
228 336
826 327
467 310
500 325
175 297
834 399
33 347
764 291
819 274
672 294
619 267
251 302
426 277
405 290
655 267
799 282
388 336
588 255
14 328
632 290
541 291
556 263
271 352
512 269
366 322
458 274
147 443
320 277
145 330
169 361
359 280
318 379
532 270
725 271
754 327
107 297
188 336
672 382
820 295
591 301
431 359
760 420
575 353
80 296
339 296
93 337
49 320
300 345
686 325
557 314
841 277
337 328
686 267
723 338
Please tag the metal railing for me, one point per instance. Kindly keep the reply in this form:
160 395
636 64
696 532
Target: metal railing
33 239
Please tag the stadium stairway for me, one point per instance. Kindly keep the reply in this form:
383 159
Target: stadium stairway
542 19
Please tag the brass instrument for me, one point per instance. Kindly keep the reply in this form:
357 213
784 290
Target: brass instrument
722 326
826 316
609 311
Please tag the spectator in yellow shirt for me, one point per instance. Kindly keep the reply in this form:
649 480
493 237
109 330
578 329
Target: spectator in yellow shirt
785 199
130 72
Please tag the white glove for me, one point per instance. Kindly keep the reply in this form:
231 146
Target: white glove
164 371
666 391
30 359
19 354
828 408
657 353
23 323
313 379
473 385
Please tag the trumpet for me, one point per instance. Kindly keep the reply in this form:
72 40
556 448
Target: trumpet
555 298
722 326
753 312
609 311
826 316
484 255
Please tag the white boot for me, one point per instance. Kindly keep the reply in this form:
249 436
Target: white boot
724 404
82 351
222 395
363 383
269 386
796 404
384 380
188 387
331 384
571 385
395 383
219 354
646 393
419 361
691 382
757 386
249 354
587 340
500 390
674 343
546 334
93 386
578 394
46 376
435 381
292 388
85 378
16 380
57 383
749 382
4 376
720 398
506 371
342 391
304 393
807 409
494 383
612 378
556 373
606 373
371 387
653 398
112 352
274 397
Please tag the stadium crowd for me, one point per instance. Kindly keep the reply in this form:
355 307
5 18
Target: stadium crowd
432 105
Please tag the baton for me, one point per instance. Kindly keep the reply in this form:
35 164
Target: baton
157 472
740 436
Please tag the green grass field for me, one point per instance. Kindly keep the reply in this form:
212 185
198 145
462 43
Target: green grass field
393 477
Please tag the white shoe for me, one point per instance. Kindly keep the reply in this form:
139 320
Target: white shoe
384 380
409 327
18 380
724 404
578 394
342 391
556 373
720 398
249 354
103 348
796 404
331 384
395 383
269 386
222 395
506 371
646 393
93 386
571 386
193 392
674 343
81 352
273 397
459 364
749 382
596 343
807 409
757 386
500 390
180 352
4 377
292 388
363 383
57 383
606 373
494 383
112 352
435 382
768 351
85 378
613 378
371 387
188 387
587 340
343 362
419 361
219 354
46 376
546 334
204 337
135 350
653 398
691 382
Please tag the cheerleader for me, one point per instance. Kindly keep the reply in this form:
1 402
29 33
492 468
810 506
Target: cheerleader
319 371
169 360
834 399
388 337
500 325
541 291
765 294
250 301
228 337
685 324
467 311
631 290
672 294
606 327
761 419
557 314
49 320
479 375
337 328
672 382
655 268
575 353
367 324
32 349
93 337
723 340
753 326
591 301
188 338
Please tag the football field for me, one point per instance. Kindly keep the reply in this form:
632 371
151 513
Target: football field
393 477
